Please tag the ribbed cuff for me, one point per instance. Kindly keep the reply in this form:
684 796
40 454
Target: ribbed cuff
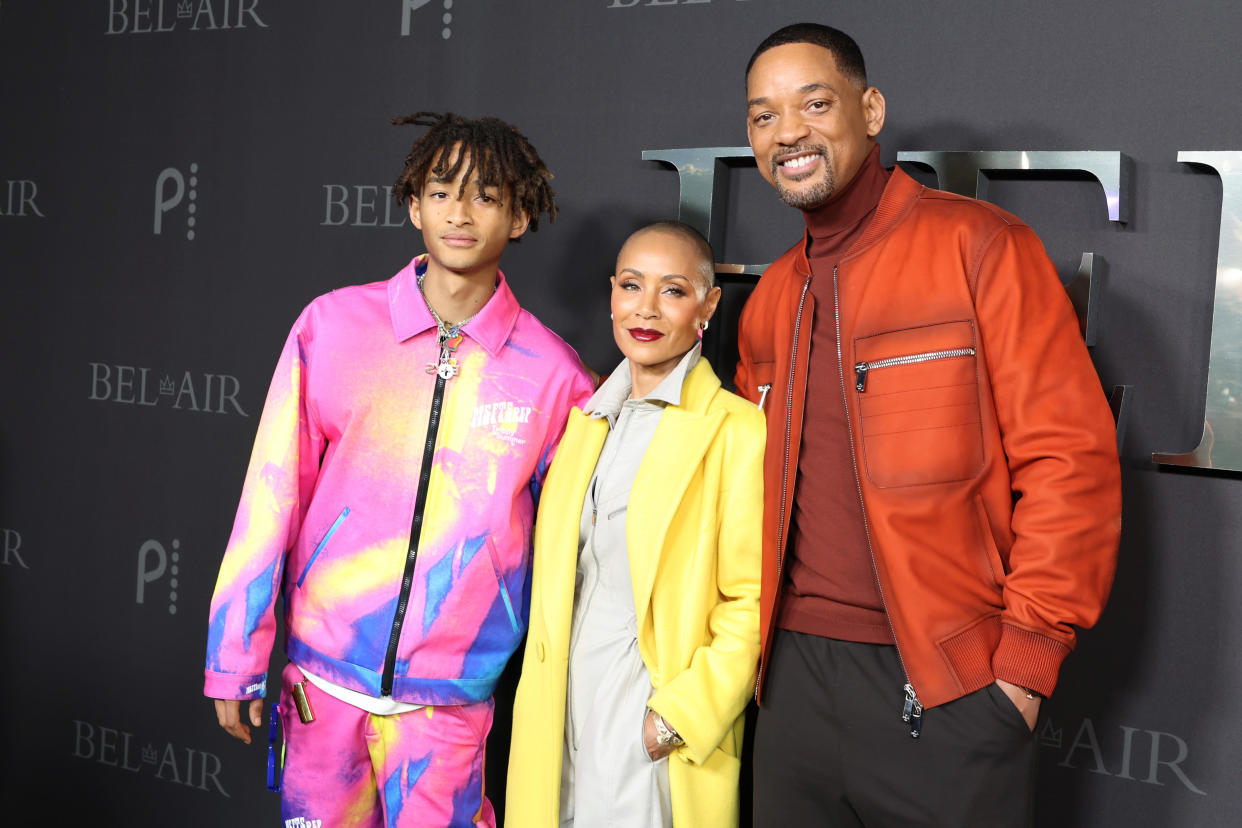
1028 659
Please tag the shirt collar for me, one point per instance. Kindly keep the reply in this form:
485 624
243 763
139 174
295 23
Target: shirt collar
490 327
615 392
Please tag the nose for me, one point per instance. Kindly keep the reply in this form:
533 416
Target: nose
459 212
792 129
649 307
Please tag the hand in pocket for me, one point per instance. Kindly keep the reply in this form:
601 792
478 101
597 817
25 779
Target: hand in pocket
1028 707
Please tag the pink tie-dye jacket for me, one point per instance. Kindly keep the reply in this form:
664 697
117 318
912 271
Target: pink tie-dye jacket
329 498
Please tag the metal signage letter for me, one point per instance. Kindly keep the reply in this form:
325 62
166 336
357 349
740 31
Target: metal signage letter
1220 447
962 172
704 193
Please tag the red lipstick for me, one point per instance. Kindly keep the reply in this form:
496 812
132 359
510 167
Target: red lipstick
645 334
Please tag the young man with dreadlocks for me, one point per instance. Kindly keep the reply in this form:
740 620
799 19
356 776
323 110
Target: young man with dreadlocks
390 500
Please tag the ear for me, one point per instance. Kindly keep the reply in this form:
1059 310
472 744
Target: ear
521 220
873 111
416 216
710 301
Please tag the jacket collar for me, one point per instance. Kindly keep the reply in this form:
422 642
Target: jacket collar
615 392
899 196
490 327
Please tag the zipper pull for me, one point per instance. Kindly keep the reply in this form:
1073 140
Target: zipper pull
912 712
860 381
763 393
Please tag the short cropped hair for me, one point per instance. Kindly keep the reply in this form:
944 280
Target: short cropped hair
500 155
702 248
844 50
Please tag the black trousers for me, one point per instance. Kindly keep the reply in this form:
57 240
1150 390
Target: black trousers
831 748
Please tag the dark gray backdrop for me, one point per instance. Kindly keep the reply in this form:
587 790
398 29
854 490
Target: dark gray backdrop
135 362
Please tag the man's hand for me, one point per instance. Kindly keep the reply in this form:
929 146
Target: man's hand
228 713
655 750
1029 708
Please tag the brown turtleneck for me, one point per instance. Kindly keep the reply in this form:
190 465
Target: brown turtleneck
831 589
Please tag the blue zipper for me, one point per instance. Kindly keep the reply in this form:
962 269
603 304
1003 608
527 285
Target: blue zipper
324 542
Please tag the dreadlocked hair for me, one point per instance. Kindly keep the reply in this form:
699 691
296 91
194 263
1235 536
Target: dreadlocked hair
499 154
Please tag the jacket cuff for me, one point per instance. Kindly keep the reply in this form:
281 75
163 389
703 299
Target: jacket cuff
1028 659
234 686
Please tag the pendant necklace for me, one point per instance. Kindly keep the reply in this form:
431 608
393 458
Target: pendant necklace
449 338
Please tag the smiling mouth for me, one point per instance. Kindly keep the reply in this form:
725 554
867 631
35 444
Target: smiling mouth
798 162
645 334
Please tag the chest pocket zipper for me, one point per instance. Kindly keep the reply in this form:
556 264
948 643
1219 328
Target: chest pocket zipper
861 368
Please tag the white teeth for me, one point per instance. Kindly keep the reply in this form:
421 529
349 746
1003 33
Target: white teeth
801 161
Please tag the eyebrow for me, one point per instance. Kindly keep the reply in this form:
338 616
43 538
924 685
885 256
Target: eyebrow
667 277
437 179
802 90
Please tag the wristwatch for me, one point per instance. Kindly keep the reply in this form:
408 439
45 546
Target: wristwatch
665 735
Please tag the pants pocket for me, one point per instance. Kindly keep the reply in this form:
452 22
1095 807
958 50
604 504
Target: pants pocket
642 743
477 717
1006 710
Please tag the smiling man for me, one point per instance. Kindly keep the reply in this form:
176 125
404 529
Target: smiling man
390 499
941 478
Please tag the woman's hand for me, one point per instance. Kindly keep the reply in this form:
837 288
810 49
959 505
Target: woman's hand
655 750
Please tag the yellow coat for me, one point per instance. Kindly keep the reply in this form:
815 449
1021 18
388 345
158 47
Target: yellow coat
693 530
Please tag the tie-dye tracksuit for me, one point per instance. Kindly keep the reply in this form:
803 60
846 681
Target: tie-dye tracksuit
389 508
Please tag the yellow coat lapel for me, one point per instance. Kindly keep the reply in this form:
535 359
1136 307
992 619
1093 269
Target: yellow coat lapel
672 461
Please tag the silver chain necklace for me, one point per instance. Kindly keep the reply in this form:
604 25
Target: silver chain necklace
449 337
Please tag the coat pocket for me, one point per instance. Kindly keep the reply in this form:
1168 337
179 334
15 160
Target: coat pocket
918 402
995 565
323 542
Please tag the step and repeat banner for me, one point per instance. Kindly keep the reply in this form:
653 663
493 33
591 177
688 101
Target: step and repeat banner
178 178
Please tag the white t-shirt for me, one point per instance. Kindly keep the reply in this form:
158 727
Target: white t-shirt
381 706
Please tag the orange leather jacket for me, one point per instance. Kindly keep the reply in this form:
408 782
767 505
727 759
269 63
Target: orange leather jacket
984 449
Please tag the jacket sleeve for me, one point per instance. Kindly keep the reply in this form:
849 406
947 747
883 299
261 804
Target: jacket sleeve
756 330
1060 444
705 700
577 392
743 380
279 480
